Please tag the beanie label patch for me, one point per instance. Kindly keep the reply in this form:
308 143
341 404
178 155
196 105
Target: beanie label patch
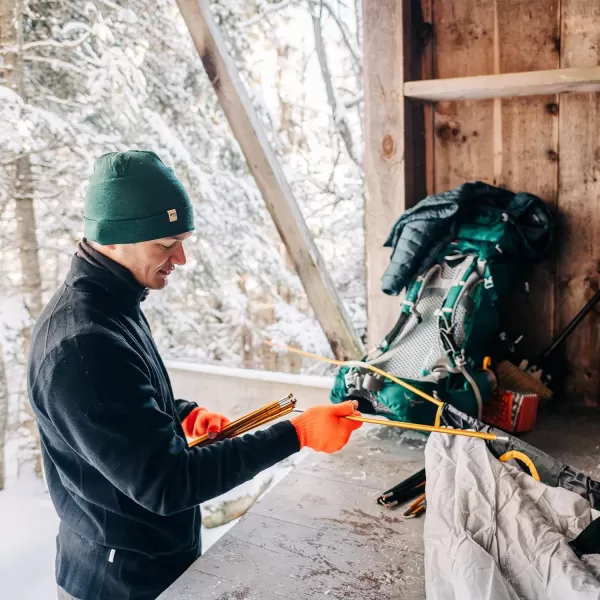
172 215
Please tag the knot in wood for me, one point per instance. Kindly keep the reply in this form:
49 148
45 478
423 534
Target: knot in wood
388 146
211 69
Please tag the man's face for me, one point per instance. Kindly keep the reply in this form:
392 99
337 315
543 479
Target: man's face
151 262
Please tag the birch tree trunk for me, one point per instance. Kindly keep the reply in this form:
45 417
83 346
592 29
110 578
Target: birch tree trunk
31 281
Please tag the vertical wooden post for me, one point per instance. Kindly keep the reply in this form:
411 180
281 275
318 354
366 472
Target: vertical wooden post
394 140
270 179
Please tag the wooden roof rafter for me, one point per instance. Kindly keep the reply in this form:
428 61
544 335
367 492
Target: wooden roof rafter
270 179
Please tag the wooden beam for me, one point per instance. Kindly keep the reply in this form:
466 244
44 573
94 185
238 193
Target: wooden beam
271 181
505 85
394 141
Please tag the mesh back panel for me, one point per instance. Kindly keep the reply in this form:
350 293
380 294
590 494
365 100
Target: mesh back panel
420 349
419 345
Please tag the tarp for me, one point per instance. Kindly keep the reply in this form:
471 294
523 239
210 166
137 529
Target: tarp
551 471
494 533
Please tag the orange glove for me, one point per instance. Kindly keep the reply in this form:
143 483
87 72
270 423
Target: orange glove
323 428
200 421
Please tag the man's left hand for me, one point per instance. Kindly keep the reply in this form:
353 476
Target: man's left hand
201 421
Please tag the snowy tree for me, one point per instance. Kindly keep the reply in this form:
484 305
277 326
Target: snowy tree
105 75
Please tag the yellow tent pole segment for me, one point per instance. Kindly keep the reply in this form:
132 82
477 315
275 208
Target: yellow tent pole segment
256 418
357 363
431 429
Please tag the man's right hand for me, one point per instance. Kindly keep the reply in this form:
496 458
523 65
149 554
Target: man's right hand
325 428
201 422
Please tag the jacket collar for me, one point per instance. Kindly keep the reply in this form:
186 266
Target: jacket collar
93 272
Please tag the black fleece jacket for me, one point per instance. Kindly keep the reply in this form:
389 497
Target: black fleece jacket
124 482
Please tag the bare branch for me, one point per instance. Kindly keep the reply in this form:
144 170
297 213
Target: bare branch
266 10
346 34
358 13
335 164
340 123
322 55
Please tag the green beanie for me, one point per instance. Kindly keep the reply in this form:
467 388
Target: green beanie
133 197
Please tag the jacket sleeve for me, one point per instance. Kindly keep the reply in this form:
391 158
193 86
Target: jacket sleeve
184 408
100 398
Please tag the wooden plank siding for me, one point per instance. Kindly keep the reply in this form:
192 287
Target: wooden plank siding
464 46
543 144
578 266
526 140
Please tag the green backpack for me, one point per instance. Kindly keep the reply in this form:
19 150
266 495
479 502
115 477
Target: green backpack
450 317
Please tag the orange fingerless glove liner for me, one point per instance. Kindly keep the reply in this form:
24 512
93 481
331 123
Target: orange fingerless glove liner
323 428
200 421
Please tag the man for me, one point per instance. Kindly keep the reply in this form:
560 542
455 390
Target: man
122 478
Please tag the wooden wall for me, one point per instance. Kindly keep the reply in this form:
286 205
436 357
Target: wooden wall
545 145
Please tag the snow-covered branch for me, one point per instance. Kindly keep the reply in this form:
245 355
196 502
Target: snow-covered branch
55 63
56 44
354 101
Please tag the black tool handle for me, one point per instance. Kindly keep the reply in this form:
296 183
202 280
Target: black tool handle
572 325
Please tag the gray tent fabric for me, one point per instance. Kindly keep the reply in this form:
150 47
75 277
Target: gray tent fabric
494 533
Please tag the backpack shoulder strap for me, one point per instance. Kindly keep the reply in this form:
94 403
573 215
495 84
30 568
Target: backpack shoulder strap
413 295
465 278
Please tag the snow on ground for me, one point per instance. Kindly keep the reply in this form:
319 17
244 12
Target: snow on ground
28 527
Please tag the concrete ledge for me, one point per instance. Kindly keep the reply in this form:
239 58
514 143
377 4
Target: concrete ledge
235 392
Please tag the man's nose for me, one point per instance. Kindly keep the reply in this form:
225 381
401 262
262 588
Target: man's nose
178 256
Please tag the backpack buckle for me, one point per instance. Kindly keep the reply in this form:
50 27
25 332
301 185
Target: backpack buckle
352 379
460 360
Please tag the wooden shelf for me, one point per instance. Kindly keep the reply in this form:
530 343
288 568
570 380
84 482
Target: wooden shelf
532 83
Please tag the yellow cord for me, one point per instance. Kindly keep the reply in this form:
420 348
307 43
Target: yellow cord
358 363
523 458
426 428
418 392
